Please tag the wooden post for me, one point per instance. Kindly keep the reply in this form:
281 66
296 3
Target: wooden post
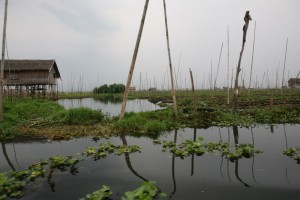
236 83
133 61
170 64
193 90
2 61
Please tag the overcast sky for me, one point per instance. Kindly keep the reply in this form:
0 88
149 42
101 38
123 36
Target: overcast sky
95 39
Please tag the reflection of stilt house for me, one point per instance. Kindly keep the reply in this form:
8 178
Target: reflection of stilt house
31 77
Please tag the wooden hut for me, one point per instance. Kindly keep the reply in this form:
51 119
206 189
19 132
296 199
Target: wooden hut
294 83
31 77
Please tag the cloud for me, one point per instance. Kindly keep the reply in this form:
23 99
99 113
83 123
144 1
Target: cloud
96 38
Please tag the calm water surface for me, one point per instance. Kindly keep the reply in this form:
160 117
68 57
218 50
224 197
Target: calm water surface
109 107
269 175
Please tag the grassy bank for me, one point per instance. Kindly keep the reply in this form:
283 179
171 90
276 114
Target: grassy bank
27 115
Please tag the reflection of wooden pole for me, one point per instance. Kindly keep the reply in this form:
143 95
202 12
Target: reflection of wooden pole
237 174
133 61
236 141
235 135
173 167
2 61
128 162
193 156
253 159
170 63
228 174
6 157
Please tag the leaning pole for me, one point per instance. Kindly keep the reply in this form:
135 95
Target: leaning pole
2 61
247 18
170 63
136 49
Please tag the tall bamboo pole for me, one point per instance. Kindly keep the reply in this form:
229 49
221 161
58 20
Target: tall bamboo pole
228 66
170 63
2 60
211 75
236 84
218 66
136 49
252 56
286 45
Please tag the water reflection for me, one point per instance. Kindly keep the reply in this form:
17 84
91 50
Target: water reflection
236 142
263 172
6 157
128 162
173 167
110 107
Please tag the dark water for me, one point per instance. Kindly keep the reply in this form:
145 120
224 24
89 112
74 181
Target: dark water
269 175
110 107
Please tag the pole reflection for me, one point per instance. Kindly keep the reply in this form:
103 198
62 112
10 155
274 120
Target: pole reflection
236 142
128 161
6 157
173 168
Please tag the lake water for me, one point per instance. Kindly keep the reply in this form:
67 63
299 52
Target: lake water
268 175
109 107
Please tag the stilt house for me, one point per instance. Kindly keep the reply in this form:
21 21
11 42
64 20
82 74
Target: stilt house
294 83
31 77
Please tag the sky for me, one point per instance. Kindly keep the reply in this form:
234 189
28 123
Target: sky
93 41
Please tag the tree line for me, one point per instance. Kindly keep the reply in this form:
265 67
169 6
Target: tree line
109 89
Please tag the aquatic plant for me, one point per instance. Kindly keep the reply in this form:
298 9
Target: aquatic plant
293 153
34 171
102 194
109 148
12 183
189 147
242 150
62 163
10 187
147 191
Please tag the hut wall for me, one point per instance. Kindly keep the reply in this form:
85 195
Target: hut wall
51 77
26 78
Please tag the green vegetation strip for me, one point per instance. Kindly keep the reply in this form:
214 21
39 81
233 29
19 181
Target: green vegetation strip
45 118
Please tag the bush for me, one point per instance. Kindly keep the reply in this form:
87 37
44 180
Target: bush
131 122
82 116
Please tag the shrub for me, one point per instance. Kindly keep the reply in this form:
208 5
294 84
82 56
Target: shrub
82 115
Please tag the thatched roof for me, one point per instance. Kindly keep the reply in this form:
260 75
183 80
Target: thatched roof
294 80
31 65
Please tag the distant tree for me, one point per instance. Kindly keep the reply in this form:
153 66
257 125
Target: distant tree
111 89
104 89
